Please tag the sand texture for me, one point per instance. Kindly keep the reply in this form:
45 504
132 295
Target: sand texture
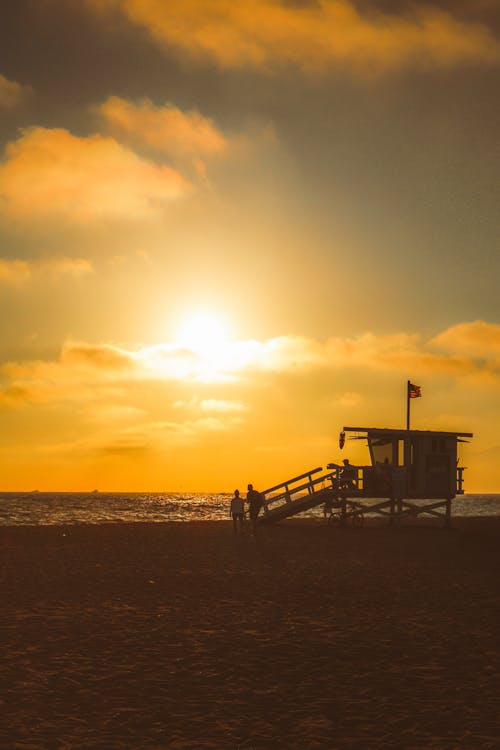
155 636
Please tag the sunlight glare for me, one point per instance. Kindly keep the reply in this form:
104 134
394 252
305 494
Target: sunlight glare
203 331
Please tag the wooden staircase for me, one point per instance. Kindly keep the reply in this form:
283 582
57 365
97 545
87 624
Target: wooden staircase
298 494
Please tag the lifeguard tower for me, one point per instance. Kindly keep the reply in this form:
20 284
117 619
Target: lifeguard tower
406 466
411 463
410 473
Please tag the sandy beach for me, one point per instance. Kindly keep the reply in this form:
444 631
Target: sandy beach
152 636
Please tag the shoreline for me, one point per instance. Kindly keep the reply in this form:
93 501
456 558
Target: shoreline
178 635
370 522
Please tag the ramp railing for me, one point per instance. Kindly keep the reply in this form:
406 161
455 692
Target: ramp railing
297 488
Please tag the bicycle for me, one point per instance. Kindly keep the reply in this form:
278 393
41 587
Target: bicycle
354 514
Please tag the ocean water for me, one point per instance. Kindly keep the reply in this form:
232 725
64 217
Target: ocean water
55 508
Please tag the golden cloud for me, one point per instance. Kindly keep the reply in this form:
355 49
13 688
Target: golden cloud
12 93
20 271
166 129
14 271
141 438
220 405
100 357
124 401
124 445
475 339
84 371
264 34
14 394
75 267
52 172
170 432
115 442
210 405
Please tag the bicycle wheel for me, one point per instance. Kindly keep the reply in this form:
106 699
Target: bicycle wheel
358 519
335 519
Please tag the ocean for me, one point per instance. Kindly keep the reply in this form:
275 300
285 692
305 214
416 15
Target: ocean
61 508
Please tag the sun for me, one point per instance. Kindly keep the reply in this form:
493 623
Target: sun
203 331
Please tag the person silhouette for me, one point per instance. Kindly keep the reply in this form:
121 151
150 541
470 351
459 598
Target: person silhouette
254 500
348 475
237 513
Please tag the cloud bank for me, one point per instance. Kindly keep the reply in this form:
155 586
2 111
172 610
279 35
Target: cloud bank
83 367
22 271
267 34
166 129
475 339
50 172
158 401
146 157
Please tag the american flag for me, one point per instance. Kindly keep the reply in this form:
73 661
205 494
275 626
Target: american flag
414 391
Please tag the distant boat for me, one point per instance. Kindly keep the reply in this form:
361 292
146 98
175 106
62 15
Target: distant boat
94 491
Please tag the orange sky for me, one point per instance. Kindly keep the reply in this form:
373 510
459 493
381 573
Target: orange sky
229 229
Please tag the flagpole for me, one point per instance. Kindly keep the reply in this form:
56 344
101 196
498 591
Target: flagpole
408 405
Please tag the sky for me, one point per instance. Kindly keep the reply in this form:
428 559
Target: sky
229 229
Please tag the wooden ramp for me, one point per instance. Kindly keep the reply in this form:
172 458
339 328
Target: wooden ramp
296 495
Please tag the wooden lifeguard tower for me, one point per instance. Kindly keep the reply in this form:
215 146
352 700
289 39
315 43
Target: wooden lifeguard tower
407 466
411 473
